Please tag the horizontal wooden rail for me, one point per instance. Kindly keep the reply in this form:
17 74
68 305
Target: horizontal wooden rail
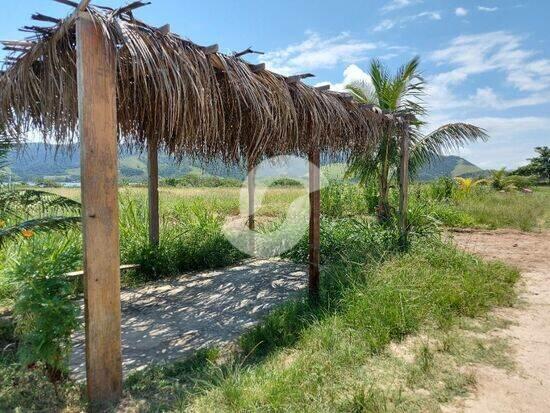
80 273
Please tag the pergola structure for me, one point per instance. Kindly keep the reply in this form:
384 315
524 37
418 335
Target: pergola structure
105 77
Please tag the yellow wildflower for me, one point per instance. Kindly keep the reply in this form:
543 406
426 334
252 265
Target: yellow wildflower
27 233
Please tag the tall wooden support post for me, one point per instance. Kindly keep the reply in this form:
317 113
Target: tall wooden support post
404 189
314 224
153 189
96 70
251 195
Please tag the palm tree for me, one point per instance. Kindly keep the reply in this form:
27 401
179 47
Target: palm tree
402 95
23 212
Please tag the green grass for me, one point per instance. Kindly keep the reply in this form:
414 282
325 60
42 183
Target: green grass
331 357
335 357
487 208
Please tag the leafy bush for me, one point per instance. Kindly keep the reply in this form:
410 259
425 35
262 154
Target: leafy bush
284 182
442 189
207 181
45 313
520 181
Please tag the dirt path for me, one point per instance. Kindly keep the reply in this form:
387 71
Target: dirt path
528 388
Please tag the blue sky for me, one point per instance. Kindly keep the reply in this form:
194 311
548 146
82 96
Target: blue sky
487 62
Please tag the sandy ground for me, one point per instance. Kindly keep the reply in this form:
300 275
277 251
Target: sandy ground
172 318
527 389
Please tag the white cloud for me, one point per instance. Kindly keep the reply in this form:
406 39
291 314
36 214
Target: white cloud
495 51
487 9
316 52
352 74
398 4
388 24
461 11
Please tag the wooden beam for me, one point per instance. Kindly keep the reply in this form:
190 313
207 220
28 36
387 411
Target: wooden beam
153 191
251 194
67 2
208 50
164 29
323 87
246 51
404 189
297 78
96 76
43 18
67 23
314 224
256 68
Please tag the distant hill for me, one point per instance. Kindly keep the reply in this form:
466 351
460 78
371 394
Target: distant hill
450 166
39 162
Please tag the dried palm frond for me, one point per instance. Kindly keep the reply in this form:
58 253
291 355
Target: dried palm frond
171 91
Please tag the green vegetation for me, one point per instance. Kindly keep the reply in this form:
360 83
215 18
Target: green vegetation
403 95
335 357
538 167
202 181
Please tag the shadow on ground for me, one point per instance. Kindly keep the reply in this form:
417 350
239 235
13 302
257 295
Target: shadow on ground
170 319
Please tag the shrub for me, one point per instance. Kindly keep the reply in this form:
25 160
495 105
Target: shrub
286 182
44 311
442 189
520 181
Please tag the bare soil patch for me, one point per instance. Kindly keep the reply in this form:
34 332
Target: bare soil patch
527 388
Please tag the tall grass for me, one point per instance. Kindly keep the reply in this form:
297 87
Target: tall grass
304 358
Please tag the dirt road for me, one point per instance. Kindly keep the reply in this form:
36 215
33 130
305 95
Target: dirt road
527 389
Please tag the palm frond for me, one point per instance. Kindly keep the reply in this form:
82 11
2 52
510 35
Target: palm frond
428 148
28 228
14 202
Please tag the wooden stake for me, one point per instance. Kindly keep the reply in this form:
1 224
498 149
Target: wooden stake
314 224
96 70
251 194
404 189
153 191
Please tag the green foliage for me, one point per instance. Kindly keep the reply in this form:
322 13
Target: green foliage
44 309
498 179
206 181
341 197
317 353
286 182
539 165
403 95
191 239
442 189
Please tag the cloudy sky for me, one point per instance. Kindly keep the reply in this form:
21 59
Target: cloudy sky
486 62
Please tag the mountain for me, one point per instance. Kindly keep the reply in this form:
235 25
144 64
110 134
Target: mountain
62 164
37 162
450 166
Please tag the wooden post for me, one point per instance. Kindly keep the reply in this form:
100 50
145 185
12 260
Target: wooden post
153 191
251 189
404 189
314 224
96 69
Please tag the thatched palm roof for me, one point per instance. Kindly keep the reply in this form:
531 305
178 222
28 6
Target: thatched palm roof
190 98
